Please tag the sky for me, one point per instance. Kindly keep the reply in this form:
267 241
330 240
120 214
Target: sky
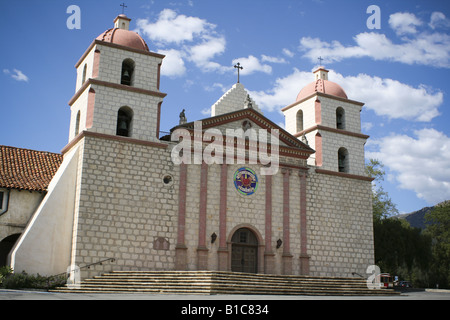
392 55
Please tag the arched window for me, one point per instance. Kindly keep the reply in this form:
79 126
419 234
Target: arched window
124 122
4 198
299 120
83 79
340 118
343 160
127 75
77 124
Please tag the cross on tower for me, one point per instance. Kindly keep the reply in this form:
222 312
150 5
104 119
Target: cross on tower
123 7
238 67
320 60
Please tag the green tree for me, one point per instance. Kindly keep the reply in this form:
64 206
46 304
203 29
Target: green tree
399 249
382 204
439 230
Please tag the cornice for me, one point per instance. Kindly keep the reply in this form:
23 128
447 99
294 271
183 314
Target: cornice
92 81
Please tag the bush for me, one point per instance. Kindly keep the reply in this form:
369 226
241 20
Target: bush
26 281
4 271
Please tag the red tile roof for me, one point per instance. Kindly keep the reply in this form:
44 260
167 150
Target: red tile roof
25 169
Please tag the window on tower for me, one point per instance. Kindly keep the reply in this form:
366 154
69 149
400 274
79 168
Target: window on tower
127 75
77 123
83 79
343 160
299 120
340 118
124 122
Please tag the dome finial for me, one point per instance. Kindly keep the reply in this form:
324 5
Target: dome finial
320 60
123 7
122 22
321 73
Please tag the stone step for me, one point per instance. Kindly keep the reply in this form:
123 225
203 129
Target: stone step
210 282
203 281
116 276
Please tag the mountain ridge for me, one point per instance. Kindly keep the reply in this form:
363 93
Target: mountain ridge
417 218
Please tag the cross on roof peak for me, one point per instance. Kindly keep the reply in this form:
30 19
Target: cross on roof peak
238 67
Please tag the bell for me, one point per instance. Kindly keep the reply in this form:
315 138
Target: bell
126 79
122 127
123 124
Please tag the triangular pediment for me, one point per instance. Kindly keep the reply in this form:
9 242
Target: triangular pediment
245 119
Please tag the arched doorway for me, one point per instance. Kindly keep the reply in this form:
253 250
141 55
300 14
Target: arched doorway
5 247
244 251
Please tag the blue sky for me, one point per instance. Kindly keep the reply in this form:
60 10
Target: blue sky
400 71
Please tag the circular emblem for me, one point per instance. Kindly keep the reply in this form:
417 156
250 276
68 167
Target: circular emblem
246 181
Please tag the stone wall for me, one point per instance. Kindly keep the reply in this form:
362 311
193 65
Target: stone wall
21 206
233 100
125 209
340 225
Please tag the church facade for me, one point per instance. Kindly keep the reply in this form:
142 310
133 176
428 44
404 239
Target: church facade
119 194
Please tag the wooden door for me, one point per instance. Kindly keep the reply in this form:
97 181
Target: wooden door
244 251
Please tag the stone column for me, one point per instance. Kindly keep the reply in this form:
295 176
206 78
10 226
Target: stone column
304 257
223 249
202 250
287 256
269 255
180 248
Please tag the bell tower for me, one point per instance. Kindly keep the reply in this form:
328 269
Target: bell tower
330 123
117 87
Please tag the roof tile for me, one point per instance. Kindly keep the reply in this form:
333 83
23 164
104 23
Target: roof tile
26 169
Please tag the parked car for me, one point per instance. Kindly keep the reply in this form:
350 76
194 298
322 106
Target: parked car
405 284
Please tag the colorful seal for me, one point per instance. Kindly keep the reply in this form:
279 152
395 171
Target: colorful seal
246 181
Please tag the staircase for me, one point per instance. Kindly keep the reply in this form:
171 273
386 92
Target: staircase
218 282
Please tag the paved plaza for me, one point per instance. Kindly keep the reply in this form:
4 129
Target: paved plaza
429 294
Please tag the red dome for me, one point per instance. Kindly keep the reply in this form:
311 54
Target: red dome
323 86
124 38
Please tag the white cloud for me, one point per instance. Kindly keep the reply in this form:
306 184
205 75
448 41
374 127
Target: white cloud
288 53
206 112
416 47
265 58
331 52
419 163
173 64
16 75
439 20
404 22
284 91
426 49
251 64
391 98
366 126
215 86
386 97
202 53
184 39
173 28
